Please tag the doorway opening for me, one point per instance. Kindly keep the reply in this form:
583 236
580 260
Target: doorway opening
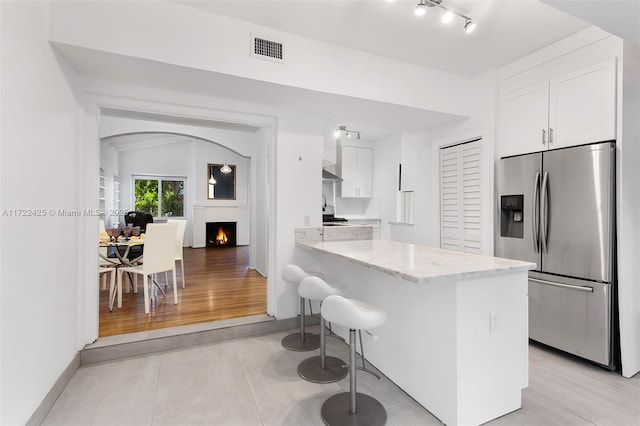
214 281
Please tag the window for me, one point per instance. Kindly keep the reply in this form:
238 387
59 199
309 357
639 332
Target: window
159 196
221 186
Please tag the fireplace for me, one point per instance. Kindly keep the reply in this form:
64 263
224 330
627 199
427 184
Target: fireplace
221 234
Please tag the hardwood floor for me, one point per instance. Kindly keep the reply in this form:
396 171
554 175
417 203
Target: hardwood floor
219 285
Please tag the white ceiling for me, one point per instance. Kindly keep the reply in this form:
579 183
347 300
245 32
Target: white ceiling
506 29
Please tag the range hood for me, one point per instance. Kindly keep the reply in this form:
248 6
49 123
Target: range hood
327 176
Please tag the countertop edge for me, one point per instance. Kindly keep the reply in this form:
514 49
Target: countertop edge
524 267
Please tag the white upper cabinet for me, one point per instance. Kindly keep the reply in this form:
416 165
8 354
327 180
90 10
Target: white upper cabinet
522 120
582 107
355 167
573 109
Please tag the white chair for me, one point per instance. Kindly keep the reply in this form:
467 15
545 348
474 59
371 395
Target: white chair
182 227
320 368
159 256
352 407
102 272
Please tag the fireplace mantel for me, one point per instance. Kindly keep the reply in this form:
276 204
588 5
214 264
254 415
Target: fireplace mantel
203 214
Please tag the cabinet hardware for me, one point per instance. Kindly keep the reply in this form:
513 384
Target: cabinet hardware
544 136
550 135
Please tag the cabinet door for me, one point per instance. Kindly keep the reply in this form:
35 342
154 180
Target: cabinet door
365 173
583 106
349 172
522 120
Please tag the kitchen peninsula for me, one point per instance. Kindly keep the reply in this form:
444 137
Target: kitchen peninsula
456 336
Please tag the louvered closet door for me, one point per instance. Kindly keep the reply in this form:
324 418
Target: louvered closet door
460 197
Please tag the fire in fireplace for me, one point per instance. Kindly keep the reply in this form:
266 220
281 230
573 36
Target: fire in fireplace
221 234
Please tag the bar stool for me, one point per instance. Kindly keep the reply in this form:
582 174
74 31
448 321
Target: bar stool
352 408
301 341
320 368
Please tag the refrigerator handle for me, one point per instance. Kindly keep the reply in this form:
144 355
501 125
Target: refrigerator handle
544 203
536 213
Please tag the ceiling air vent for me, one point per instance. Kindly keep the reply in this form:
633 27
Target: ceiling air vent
267 49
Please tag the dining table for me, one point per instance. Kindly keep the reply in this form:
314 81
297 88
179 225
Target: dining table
117 255
121 248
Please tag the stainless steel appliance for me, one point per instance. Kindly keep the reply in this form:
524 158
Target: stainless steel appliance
557 210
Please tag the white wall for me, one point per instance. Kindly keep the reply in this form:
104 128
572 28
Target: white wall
260 211
40 154
179 159
299 161
426 151
175 34
629 210
385 182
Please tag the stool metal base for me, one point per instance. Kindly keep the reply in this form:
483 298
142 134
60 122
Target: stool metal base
335 411
311 369
293 342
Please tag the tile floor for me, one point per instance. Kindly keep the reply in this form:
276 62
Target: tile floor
254 381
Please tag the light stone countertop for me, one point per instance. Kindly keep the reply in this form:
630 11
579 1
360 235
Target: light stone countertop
419 264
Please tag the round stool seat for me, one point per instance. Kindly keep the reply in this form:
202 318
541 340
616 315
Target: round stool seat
353 314
303 341
315 288
293 274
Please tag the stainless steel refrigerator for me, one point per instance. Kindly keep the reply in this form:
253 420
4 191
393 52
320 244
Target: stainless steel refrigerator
557 210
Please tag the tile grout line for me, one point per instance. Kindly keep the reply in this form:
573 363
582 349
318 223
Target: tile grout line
155 396
246 379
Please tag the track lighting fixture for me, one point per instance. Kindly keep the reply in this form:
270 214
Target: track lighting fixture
469 25
447 13
347 132
447 16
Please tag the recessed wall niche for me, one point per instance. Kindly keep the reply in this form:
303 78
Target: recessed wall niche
221 186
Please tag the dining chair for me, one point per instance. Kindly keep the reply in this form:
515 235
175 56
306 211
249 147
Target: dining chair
182 227
159 256
102 272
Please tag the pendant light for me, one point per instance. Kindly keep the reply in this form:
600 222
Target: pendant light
225 169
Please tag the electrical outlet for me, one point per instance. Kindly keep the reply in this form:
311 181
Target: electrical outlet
307 220
494 322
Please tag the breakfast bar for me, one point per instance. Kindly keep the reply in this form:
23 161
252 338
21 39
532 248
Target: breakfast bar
456 336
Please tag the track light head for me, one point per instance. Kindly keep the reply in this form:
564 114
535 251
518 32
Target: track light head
421 8
469 26
447 16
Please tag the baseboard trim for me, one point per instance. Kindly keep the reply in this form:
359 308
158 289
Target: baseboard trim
152 345
43 409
